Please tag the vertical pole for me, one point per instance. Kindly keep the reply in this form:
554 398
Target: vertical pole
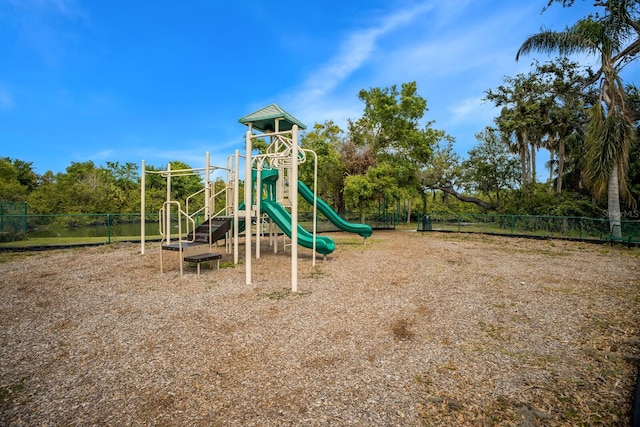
258 213
26 229
167 229
142 207
235 204
247 207
207 190
293 196
108 229
315 205
208 209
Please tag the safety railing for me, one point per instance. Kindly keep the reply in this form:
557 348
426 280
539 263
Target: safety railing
182 218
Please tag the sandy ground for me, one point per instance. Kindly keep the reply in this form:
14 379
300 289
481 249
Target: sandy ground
409 329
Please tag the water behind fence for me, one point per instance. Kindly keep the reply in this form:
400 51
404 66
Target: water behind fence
18 229
22 230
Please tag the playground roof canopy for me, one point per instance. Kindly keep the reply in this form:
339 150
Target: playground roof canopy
265 119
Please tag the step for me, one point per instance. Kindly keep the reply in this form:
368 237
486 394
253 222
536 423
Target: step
205 257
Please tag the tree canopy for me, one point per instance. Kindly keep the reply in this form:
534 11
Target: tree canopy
392 154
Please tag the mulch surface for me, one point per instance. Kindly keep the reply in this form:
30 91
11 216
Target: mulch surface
407 329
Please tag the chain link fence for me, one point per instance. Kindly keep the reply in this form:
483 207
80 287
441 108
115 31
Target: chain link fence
576 228
13 221
20 230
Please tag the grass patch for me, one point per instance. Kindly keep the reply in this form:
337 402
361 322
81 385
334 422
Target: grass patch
229 264
493 331
9 391
54 241
283 294
316 272
10 256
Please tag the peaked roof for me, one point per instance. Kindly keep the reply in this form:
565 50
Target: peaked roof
265 119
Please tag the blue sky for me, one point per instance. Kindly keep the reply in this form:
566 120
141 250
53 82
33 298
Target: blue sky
168 80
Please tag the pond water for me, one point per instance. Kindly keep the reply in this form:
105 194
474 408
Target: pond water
119 230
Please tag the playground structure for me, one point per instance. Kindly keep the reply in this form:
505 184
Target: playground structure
271 189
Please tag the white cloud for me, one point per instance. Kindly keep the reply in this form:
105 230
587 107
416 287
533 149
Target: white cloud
472 110
316 99
103 155
456 43
354 51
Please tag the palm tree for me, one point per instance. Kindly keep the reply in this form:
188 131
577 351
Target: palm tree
523 102
614 37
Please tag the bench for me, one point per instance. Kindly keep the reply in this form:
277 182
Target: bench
200 258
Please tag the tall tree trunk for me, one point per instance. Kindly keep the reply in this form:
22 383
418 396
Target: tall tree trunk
533 162
613 202
523 148
560 165
551 147
527 157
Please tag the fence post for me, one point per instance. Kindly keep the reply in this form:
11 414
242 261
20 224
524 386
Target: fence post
580 228
513 223
108 228
25 219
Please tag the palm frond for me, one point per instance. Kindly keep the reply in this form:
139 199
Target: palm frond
599 155
608 142
576 39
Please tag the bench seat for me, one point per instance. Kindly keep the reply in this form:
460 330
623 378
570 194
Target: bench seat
200 258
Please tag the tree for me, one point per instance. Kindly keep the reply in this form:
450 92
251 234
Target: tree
376 186
525 102
123 180
11 188
633 101
390 129
490 168
614 38
566 118
183 186
325 140
445 173
25 174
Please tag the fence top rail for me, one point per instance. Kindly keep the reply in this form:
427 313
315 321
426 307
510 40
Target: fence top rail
457 215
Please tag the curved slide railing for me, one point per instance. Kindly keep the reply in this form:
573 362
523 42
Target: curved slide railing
279 215
362 229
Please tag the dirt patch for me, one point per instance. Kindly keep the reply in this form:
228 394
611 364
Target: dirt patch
409 329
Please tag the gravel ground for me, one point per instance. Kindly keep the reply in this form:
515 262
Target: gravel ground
409 329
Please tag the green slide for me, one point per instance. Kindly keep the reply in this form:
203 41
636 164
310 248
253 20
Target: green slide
279 215
362 229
